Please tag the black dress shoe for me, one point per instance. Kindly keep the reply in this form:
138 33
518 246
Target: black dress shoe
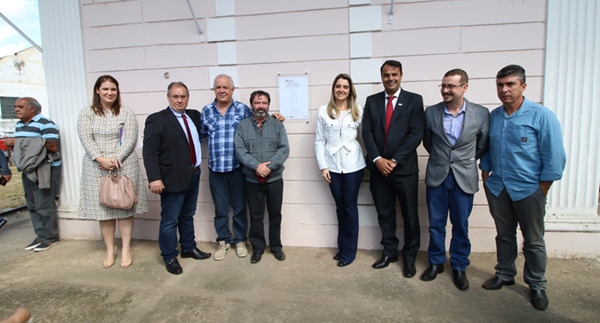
196 254
342 263
279 255
409 269
460 279
174 267
496 283
383 262
336 257
539 300
255 258
431 272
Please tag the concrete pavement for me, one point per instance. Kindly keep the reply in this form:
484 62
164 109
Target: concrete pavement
68 284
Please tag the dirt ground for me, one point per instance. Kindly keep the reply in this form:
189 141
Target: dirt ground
68 284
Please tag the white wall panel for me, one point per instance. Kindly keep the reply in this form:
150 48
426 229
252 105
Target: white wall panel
365 18
361 45
60 24
572 73
221 29
224 8
227 53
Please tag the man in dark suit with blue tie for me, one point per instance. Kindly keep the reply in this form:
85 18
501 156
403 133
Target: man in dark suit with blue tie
456 135
172 159
392 130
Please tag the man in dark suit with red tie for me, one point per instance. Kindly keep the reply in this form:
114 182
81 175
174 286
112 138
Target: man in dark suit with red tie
393 126
172 159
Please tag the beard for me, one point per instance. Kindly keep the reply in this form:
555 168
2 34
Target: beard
260 113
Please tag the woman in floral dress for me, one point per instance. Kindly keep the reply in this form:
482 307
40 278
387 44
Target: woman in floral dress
108 132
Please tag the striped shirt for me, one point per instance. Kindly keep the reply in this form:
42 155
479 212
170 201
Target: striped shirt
39 126
220 130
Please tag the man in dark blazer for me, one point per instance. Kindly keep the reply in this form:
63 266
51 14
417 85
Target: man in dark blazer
392 131
172 159
456 135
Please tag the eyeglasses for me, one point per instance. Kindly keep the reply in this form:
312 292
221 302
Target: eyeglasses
450 86
177 97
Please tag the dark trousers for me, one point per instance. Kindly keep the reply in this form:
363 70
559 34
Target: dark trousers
177 214
257 194
448 196
385 190
344 188
529 214
41 204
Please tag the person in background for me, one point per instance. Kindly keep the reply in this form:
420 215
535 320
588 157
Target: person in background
108 133
341 161
36 152
5 176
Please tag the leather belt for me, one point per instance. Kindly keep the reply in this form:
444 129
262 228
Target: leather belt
195 169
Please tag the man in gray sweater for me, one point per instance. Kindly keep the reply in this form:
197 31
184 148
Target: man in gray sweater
261 145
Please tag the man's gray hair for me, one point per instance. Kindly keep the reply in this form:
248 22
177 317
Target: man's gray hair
226 76
33 103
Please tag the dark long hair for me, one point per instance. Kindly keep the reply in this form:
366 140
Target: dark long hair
97 105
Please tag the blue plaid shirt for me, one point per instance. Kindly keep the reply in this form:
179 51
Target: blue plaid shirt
220 131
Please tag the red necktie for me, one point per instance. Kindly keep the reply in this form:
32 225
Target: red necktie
190 141
389 111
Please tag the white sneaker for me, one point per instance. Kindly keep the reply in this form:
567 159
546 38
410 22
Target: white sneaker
240 249
222 249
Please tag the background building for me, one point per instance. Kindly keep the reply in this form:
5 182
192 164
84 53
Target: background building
148 44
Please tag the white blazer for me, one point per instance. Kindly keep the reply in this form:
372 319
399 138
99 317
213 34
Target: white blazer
336 143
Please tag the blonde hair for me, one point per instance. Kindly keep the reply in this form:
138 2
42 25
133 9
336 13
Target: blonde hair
351 100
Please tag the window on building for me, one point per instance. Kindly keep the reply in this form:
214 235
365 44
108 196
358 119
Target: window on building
7 107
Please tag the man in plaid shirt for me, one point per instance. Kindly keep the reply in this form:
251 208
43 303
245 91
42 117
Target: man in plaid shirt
226 180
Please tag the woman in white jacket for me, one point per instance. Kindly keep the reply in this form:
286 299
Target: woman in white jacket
341 161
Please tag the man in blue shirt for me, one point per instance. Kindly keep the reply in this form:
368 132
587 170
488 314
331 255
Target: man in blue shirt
525 156
40 199
219 121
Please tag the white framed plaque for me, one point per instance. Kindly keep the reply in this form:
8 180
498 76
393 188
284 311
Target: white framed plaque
293 97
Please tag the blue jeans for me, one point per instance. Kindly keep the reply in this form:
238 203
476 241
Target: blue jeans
448 196
228 188
177 213
42 206
344 188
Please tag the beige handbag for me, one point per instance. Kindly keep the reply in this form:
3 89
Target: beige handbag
117 191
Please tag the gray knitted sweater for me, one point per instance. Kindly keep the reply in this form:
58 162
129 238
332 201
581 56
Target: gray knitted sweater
253 147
